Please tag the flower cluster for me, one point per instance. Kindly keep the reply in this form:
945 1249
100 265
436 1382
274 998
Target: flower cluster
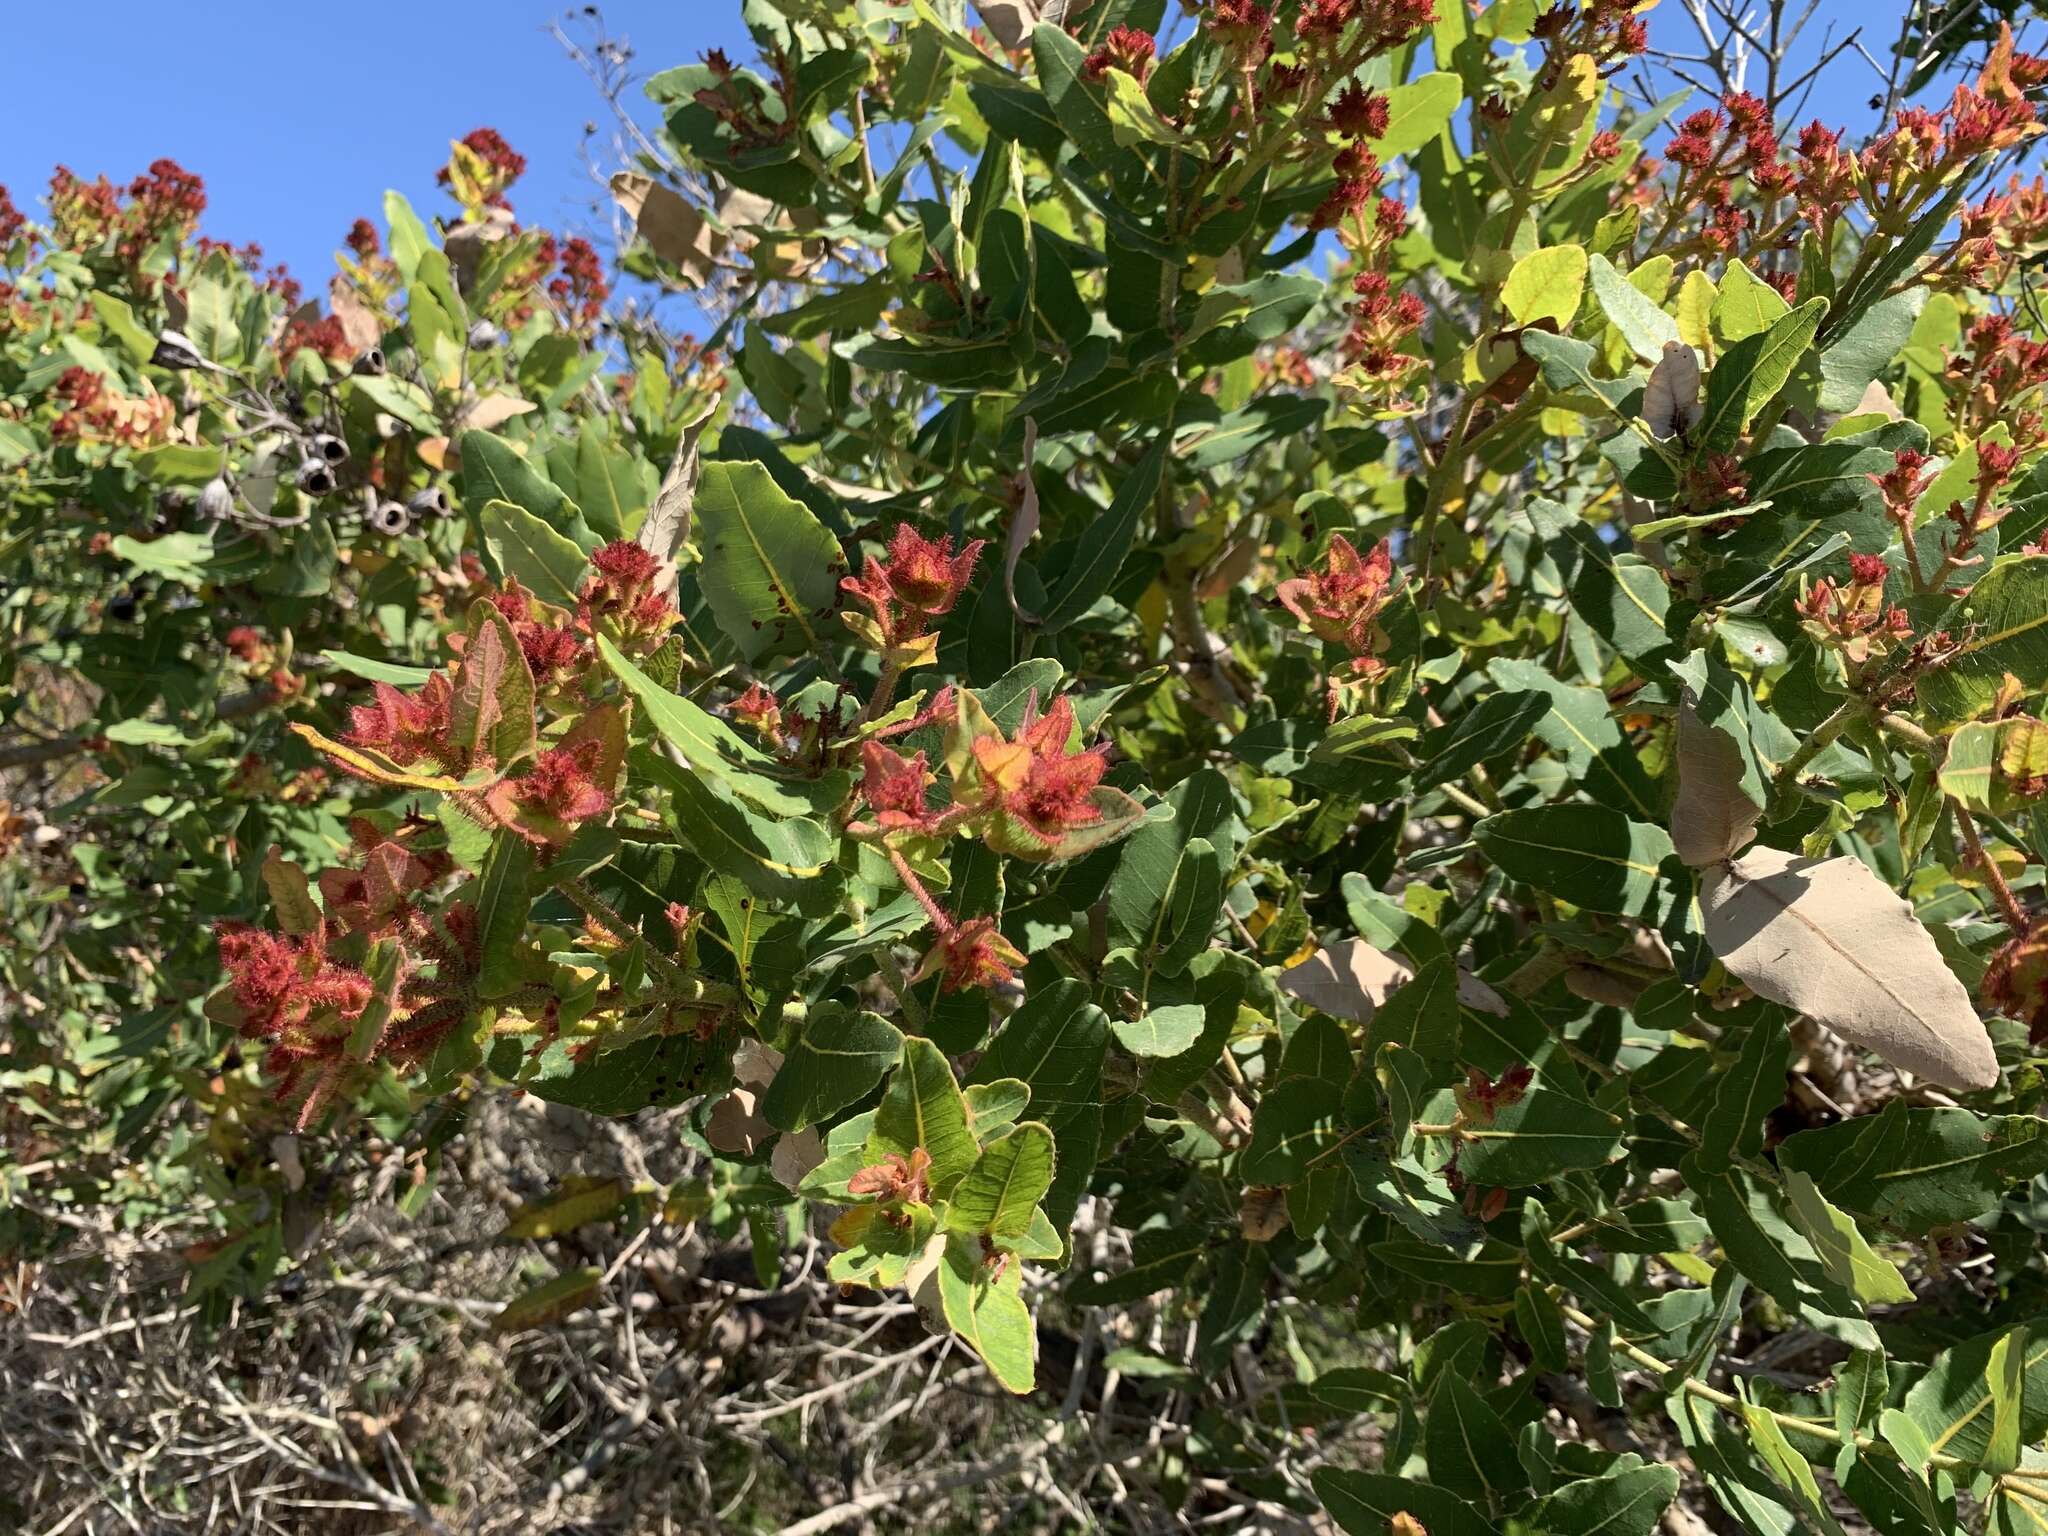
552 645
309 991
919 581
1854 619
323 334
738 101
163 204
482 168
91 409
2016 981
282 988
620 596
2000 232
376 893
1029 793
1126 49
1340 601
581 286
1996 375
1382 321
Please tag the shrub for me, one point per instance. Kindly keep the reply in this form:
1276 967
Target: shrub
1491 794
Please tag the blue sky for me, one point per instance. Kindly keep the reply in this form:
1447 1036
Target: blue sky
300 114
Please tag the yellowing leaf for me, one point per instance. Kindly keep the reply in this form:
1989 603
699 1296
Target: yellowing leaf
580 1200
1695 309
1546 285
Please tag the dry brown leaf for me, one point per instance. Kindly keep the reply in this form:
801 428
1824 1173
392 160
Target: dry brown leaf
1010 21
795 1154
1713 818
667 523
1876 401
676 232
1671 400
1828 938
464 243
1351 979
736 1125
1597 986
1262 1213
361 326
493 411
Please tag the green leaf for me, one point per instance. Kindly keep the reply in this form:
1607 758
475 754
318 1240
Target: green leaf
1856 358
1160 1257
1417 112
1847 1258
1422 1015
1955 1407
1108 539
1789 1469
718 752
1056 1043
1745 1096
1469 1448
1365 1503
1764 1246
551 1301
777 858
1165 1031
1541 1322
655 1071
1267 419
1588 855
494 470
1745 305
989 1315
1750 374
2001 626
548 564
770 569
2005 1378
1205 808
1623 1501
836 1061
923 1108
1001 1191
1918 1169
502 902
1622 598
1644 326
377 671
1080 104
1547 1132
576 1202
1297 1123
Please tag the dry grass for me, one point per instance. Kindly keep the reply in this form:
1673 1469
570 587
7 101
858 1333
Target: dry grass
367 1393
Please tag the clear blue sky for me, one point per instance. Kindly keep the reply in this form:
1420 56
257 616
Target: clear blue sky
299 114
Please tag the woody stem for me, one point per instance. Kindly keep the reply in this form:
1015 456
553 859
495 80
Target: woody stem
932 910
2009 906
607 917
